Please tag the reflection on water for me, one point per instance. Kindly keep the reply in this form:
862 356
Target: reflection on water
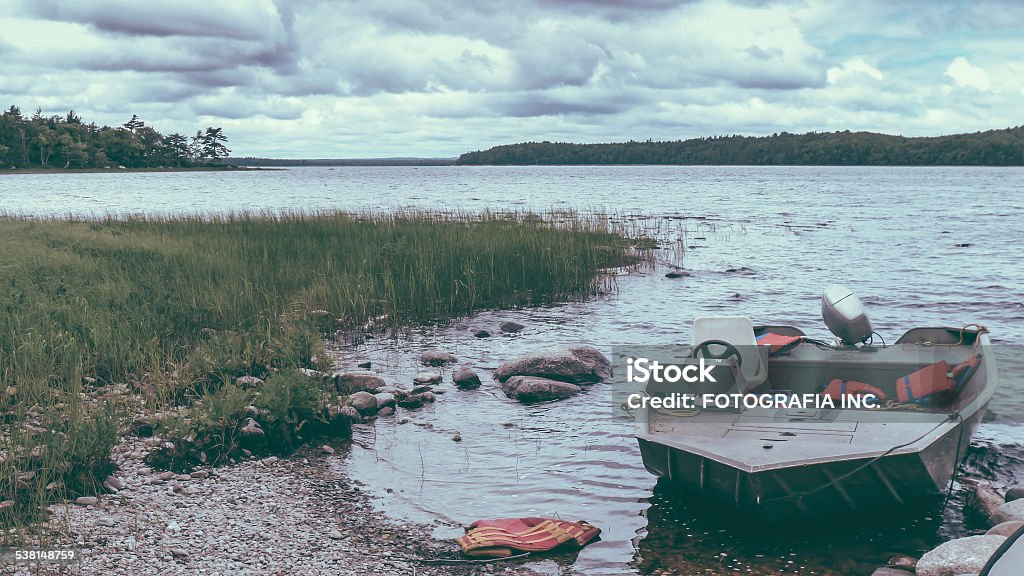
920 246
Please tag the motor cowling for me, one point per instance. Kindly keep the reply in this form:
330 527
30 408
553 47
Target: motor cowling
845 316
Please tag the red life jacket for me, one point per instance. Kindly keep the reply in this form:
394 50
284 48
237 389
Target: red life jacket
503 537
778 343
919 386
838 388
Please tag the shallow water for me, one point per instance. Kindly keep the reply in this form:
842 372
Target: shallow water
921 246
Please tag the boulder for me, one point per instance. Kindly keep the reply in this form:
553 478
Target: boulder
364 402
246 382
352 414
386 411
510 327
961 556
466 379
437 358
349 382
985 501
577 365
908 563
384 399
1009 511
1005 529
250 429
533 389
397 391
427 378
1015 493
890 571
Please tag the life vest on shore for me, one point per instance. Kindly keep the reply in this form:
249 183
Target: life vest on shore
778 344
506 536
838 388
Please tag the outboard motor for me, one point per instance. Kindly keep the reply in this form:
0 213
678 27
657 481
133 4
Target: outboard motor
844 315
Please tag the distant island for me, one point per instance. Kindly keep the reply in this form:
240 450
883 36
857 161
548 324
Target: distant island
990 148
286 162
66 142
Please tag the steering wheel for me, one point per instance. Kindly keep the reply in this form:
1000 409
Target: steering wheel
703 350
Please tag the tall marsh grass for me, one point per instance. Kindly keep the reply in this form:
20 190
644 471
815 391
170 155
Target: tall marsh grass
176 307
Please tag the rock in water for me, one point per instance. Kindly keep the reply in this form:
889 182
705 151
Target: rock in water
349 382
352 414
889 571
437 358
510 327
1015 493
528 389
481 333
961 556
577 365
1006 528
364 402
384 399
466 379
427 378
985 501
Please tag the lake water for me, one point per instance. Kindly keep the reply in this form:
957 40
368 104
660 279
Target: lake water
921 246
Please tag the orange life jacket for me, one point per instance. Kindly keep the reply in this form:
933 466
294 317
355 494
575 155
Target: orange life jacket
778 343
502 537
838 388
921 385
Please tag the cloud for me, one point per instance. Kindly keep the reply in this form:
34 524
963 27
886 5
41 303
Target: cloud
364 77
966 75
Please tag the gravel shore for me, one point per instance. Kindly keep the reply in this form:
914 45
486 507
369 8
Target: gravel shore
295 515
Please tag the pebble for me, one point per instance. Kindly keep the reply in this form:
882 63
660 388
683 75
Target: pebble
87 500
327 449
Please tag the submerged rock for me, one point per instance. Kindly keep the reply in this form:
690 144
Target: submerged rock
528 389
427 378
349 382
961 556
577 365
481 333
985 501
364 402
437 358
678 274
510 327
466 379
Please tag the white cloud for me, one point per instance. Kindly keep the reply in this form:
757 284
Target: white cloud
966 75
853 69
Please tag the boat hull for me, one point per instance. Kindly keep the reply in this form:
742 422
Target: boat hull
818 490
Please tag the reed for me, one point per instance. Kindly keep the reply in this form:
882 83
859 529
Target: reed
172 308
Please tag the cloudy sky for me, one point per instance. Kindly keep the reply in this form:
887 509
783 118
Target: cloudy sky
378 78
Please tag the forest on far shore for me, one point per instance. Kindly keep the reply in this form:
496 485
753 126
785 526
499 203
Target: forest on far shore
990 148
66 141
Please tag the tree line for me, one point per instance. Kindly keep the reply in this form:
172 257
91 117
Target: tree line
66 141
990 148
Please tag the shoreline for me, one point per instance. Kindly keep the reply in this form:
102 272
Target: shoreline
300 514
228 168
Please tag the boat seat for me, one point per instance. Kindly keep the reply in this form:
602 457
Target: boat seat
738 331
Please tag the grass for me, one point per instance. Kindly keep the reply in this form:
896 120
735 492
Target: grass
103 318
